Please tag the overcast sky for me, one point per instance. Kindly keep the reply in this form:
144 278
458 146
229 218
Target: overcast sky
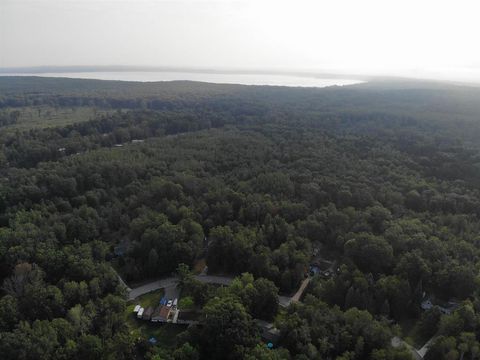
437 37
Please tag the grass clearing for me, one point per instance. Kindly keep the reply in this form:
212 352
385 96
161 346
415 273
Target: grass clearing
150 299
48 116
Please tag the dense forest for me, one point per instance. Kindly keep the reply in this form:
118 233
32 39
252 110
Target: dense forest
380 179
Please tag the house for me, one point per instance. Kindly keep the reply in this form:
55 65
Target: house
147 314
122 248
156 314
268 331
161 314
165 313
136 308
314 270
426 305
450 307
327 274
188 317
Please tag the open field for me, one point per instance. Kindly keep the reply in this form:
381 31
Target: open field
48 116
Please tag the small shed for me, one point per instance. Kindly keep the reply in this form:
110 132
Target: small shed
156 314
147 314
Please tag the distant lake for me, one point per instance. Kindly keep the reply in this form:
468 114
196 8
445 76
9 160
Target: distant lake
219 78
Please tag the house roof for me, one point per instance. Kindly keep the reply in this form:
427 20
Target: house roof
148 311
164 312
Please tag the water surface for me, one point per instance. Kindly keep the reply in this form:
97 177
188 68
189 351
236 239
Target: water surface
219 78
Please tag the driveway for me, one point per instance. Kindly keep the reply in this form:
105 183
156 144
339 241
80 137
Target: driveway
397 342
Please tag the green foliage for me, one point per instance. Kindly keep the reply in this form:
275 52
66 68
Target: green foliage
258 180
228 330
186 303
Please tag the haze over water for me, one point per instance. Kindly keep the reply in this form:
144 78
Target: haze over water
230 78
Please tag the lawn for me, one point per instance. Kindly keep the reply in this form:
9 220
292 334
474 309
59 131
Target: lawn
150 299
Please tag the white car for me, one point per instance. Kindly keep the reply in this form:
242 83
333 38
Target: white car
169 304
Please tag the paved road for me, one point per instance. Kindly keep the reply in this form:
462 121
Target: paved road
170 286
284 300
423 350
121 280
171 282
397 342
152 286
172 292
287 300
298 295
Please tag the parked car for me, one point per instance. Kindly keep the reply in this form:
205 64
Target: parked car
169 303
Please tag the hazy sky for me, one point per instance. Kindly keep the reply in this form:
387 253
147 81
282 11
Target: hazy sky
370 36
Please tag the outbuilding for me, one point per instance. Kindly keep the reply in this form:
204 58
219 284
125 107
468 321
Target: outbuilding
147 314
